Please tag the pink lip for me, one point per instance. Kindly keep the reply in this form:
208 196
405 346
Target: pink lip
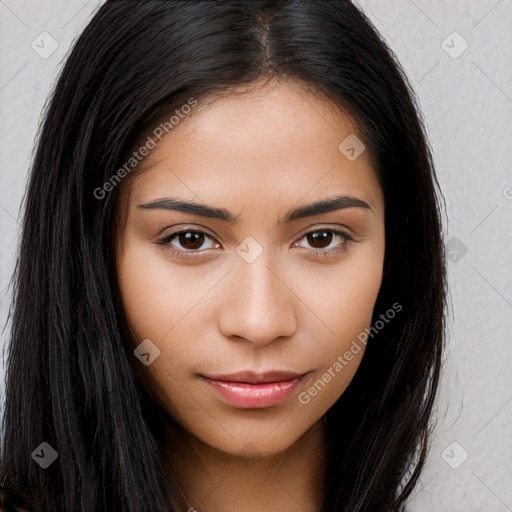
255 390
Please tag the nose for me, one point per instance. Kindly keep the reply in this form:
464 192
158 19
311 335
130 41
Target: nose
259 304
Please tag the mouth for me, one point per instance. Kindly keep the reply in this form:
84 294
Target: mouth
258 390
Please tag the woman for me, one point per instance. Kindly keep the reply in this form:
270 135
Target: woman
230 289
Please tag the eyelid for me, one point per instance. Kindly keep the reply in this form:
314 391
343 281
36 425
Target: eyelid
186 227
337 228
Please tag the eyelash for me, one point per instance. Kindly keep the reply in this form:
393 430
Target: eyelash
165 242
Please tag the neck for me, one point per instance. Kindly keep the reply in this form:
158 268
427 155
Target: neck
212 480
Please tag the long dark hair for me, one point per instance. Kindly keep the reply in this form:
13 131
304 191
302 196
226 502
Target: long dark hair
70 377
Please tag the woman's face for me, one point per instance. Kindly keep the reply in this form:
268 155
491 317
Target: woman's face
251 311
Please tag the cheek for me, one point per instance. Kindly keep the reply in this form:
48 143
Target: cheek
155 296
343 296
156 302
165 304
344 300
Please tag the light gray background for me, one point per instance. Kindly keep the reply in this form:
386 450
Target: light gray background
466 100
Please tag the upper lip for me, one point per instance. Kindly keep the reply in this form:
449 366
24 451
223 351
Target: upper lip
255 377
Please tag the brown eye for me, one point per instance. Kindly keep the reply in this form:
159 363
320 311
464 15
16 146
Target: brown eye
319 239
191 240
188 242
326 242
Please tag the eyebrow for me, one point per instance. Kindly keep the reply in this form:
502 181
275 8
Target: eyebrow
323 206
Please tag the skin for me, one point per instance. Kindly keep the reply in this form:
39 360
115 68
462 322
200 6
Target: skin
257 155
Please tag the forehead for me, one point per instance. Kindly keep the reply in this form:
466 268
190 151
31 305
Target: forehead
277 141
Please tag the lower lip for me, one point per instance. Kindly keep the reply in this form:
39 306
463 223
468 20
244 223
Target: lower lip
255 395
